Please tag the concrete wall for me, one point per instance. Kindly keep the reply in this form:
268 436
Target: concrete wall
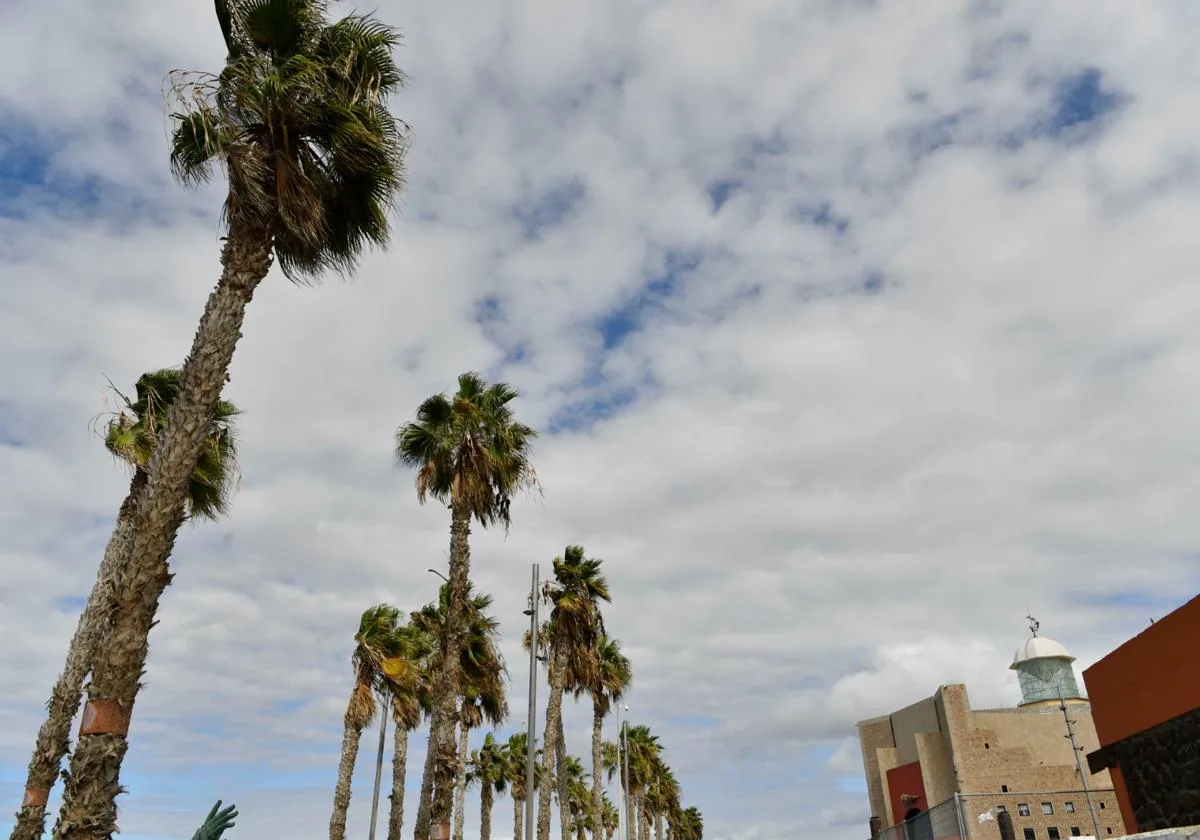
874 735
921 717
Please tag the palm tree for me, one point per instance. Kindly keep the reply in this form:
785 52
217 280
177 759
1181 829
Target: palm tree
687 824
610 819
131 436
410 702
298 119
662 797
612 678
471 454
479 663
643 757
517 750
577 804
488 768
482 700
376 647
575 627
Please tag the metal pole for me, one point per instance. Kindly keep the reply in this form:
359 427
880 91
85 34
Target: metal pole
962 823
625 770
623 834
530 736
383 716
1087 793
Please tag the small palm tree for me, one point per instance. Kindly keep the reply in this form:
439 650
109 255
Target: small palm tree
687 824
298 119
577 805
515 773
471 454
575 628
410 703
612 678
662 797
479 662
482 700
488 768
376 645
641 753
131 436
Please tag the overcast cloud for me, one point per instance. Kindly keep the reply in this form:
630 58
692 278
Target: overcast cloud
854 330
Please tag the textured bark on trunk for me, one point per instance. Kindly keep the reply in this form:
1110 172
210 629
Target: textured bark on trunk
485 812
518 819
460 783
399 767
89 808
564 786
341 793
597 758
659 831
54 736
550 745
437 786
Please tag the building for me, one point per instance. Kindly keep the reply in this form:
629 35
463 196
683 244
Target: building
1146 707
939 757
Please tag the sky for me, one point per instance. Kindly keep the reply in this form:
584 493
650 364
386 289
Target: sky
855 331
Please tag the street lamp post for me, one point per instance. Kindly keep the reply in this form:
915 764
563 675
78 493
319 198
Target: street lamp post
625 773
530 737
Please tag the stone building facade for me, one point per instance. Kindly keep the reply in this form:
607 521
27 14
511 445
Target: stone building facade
1017 759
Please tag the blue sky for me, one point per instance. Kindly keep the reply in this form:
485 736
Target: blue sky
854 332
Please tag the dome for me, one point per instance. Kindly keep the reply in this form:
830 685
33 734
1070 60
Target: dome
1039 647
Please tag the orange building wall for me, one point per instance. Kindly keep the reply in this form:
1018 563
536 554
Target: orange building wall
906 778
1149 679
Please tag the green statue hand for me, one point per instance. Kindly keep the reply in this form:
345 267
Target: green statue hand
216 822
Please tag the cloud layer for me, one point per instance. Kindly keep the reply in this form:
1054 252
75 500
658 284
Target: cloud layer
854 330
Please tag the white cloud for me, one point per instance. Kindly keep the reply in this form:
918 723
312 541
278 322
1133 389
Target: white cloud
821 503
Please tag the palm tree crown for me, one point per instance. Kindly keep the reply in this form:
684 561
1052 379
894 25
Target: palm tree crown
299 120
132 436
469 450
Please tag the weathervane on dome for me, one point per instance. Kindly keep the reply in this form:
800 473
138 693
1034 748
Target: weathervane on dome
1034 624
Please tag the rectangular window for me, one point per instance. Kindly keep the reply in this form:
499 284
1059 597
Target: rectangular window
1052 833
1101 806
1023 809
1070 806
1047 809
1075 832
1029 834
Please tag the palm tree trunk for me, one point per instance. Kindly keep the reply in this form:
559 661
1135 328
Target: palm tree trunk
437 785
89 808
351 733
659 830
54 736
460 783
485 811
598 713
383 718
518 818
564 784
550 744
399 766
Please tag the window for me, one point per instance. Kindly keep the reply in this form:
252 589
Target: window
1109 830
1101 806
986 745
1075 831
1047 809
1052 832
1004 788
1030 835
1069 807
1023 809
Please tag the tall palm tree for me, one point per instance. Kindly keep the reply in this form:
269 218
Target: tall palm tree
488 768
479 664
131 436
472 455
298 119
410 702
611 679
375 647
482 700
575 627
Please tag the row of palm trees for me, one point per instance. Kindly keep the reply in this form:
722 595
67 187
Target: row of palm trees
298 120
393 664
